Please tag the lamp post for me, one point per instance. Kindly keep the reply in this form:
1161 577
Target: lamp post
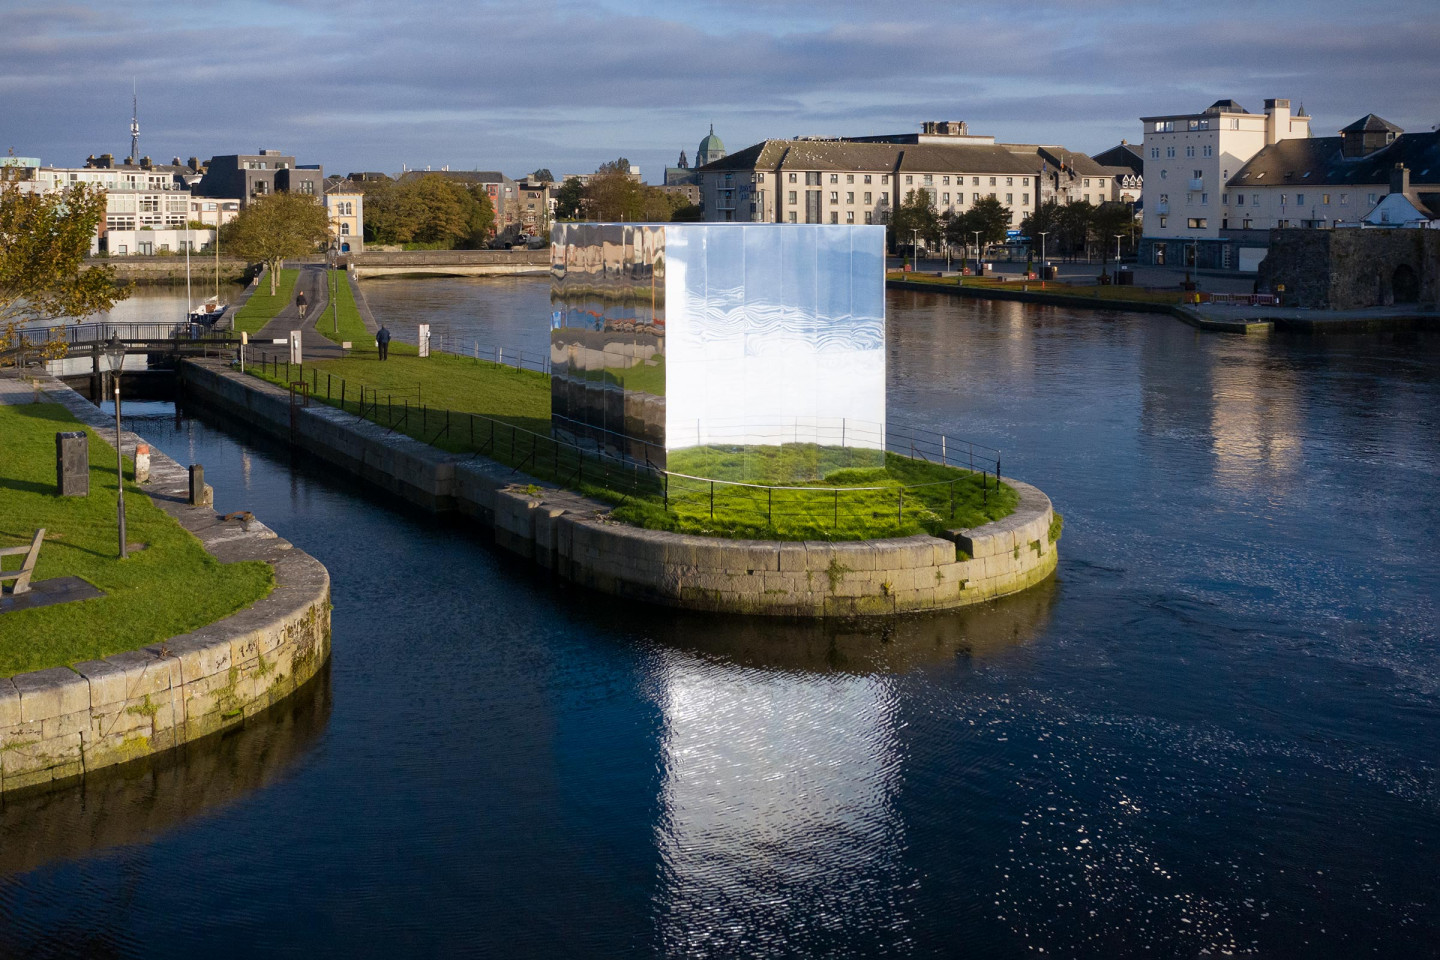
914 250
1044 274
977 251
1117 257
115 353
335 296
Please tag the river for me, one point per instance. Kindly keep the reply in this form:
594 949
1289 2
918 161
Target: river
1215 731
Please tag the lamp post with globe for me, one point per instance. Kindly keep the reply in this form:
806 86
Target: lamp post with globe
115 354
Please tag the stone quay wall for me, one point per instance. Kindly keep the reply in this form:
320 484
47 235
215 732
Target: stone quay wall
478 263
574 537
1349 269
61 723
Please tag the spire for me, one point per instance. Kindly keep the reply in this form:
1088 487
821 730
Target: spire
134 121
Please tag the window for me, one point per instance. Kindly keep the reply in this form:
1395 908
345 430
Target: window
1325 199
344 229
1344 198
867 178
1025 198
1204 199
928 180
1245 224
1284 199
992 194
834 178
1164 126
1164 198
1198 174
884 178
1196 223
812 178
974 181
1370 198
1299 199
945 181
909 179
1010 181
834 216
1239 199
1009 198
792 178
791 216
122 249
1170 153
1100 183
1224 199
946 199
1163 221
1189 151
867 196
1154 153
849 197
849 216
849 178
975 198
790 197
1282 224
869 217
1087 183
1164 174
1210 152
992 181
834 196
307 187
884 197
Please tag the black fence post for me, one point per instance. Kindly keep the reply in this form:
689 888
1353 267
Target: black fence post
900 506
342 394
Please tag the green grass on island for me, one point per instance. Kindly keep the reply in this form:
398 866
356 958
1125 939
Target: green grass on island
171 587
463 405
261 308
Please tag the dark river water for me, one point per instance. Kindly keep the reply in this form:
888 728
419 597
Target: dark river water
1215 732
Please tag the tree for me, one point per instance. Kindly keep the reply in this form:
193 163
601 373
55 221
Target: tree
568 199
1075 221
916 213
44 239
432 209
277 227
1110 219
1045 220
991 218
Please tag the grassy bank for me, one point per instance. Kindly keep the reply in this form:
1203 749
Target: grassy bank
344 323
261 308
1109 292
171 587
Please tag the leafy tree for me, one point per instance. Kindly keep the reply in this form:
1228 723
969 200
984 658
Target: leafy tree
621 166
44 239
1112 219
916 212
1075 222
568 199
432 209
276 227
1044 220
991 218
611 195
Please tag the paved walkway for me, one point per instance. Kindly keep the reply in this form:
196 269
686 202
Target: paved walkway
314 281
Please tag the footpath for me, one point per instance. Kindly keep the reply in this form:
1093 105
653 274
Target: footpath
314 281
65 722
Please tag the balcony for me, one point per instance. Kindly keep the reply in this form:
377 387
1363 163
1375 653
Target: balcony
1197 183
1162 207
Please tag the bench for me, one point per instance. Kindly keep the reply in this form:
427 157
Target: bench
27 566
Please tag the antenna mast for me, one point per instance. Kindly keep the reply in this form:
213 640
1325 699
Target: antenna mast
134 123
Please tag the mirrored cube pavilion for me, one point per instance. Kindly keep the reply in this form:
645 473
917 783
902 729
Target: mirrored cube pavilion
711 336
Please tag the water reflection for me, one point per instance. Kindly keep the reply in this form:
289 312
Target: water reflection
140 801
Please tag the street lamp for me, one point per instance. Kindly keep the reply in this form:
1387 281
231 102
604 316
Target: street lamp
1044 271
335 296
914 250
1117 257
115 354
977 251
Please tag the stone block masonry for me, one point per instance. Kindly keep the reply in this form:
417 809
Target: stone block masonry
60 723
574 536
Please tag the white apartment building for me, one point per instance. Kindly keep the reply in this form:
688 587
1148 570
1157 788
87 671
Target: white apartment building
1189 160
860 181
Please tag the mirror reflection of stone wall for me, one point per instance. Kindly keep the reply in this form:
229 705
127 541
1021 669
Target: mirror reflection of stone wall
697 344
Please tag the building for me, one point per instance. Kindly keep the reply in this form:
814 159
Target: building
345 206
1189 160
710 150
1126 166
863 179
252 175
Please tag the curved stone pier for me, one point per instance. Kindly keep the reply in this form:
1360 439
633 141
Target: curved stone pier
61 723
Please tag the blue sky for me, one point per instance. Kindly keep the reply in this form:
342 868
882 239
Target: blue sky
366 85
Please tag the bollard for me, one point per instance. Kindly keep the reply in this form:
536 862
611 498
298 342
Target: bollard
201 493
142 463
72 464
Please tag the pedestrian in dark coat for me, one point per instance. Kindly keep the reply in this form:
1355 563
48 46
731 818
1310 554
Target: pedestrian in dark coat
301 303
382 341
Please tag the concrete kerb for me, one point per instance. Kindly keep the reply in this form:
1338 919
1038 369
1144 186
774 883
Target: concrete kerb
63 722
574 536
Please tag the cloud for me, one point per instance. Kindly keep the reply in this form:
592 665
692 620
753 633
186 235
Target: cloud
371 85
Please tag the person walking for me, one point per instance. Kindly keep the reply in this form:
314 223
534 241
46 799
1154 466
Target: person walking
301 303
382 341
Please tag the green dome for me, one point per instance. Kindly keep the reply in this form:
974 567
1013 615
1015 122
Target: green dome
711 149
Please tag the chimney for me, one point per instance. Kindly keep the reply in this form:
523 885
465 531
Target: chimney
194 163
1400 179
1277 121
145 163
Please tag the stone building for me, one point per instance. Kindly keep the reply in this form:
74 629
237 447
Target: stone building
860 180
1353 268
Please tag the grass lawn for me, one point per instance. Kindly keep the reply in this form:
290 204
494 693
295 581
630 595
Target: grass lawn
438 382
171 587
905 496
352 328
261 308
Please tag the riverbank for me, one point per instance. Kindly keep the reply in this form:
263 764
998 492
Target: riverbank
170 270
62 722
574 536
1215 318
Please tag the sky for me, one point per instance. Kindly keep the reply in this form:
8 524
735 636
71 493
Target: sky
370 85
